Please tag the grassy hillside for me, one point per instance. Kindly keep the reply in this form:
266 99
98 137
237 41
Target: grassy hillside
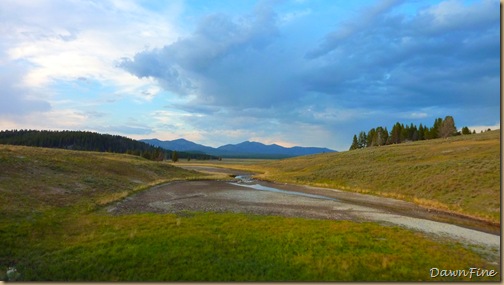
52 229
460 174
33 180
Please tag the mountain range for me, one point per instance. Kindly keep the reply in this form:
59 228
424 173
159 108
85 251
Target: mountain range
245 149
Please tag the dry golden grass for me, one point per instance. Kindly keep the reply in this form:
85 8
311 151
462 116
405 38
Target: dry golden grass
460 174
37 179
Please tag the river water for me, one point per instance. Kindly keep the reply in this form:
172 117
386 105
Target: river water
247 181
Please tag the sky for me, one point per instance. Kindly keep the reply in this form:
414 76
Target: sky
291 72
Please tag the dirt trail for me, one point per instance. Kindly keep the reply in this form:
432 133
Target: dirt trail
258 197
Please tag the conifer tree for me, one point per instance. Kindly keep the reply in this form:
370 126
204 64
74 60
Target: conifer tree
362 139
385 136
402 133
395 134
466 131
355 143
421 132
371 138
434 131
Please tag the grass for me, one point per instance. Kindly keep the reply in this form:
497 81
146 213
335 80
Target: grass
459 174
33 180
52 229
215 247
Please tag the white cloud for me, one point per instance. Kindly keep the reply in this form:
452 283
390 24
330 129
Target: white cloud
69 119
81 39
454 14
480 128
414 115
16 99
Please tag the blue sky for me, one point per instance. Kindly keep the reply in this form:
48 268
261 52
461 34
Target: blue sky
291 72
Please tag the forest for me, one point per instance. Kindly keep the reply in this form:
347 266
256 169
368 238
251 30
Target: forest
91 141
401 133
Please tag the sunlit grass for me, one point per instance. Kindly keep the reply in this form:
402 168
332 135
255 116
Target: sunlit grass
229 247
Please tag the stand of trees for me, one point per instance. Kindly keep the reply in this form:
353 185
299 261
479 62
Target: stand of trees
91 141
79 140
403 133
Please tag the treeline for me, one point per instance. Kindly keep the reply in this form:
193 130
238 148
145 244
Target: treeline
176 155
80 140
90 141
406 133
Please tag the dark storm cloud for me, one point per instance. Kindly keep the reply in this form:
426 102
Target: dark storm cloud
377 57
439 56
366 20
379 67
226 61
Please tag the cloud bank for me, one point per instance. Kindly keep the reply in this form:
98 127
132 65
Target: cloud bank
374 67
297 72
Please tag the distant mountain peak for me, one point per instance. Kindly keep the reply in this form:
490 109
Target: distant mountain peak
243 149
181 140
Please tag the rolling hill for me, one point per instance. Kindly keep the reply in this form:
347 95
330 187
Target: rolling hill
459 174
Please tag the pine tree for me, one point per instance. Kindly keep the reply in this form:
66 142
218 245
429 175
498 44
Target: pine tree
421 132
434 131
362 139
385 136
371 138
466 131
395 134
413 132
355 143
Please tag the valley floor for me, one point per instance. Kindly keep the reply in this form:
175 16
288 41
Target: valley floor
265 198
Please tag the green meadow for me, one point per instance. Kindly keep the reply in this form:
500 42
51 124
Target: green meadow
53 228
224 247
